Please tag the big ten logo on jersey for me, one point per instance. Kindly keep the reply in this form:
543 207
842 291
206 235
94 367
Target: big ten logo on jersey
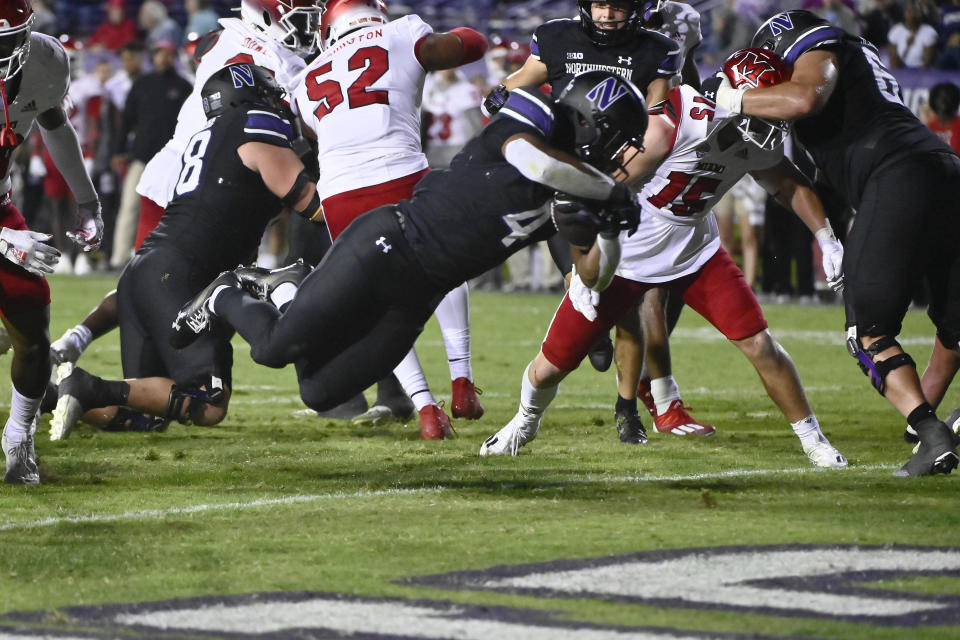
574 55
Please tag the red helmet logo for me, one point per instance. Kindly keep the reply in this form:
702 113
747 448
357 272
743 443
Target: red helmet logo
756 68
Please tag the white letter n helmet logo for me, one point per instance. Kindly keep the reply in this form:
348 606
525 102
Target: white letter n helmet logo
607 92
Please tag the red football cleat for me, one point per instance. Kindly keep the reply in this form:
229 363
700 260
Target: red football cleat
677 421
465 403
643 393
434 423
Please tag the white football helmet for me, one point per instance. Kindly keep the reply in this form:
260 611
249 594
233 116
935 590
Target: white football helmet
292 23
16 22
344 16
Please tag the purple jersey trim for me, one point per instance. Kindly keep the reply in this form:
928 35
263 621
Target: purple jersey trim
527 109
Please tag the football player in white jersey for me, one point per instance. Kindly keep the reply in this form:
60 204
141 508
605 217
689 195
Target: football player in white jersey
694 152
452 102
34 79
361 98
274 34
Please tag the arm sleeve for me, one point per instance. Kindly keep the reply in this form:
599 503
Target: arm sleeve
537 166
64 147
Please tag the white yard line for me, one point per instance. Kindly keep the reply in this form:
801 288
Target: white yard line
159 514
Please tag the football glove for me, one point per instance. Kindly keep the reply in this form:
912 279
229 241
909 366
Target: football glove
619 212
89 226
583 298
495 100
832 252
719 89
26 248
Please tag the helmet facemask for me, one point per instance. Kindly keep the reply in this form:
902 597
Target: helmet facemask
302 28
14 48
609 37
763 132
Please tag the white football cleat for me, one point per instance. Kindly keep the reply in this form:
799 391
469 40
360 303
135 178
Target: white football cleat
507 441
823 454
21 459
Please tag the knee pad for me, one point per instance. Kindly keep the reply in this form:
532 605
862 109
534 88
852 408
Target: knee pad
213 395
877 371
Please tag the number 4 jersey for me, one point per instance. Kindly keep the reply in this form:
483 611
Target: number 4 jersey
678 231
361 97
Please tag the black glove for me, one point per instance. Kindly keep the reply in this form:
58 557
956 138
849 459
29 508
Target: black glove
494 100
709 87
620 211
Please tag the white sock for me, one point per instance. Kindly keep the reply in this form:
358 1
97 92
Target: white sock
808 430
414 381
80 336
664 391
23 411
453 316
213 297
283 294
533 401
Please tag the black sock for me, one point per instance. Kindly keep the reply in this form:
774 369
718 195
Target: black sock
626 406
111 393
921 413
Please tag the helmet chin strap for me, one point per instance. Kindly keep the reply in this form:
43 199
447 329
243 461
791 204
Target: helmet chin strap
8 137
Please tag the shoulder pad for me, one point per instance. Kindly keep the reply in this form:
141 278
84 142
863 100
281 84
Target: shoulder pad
205 43
264 123
529 106
791 33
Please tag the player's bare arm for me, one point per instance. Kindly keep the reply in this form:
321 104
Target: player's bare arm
656 148
533 73
283 173
447 50
657 90
814 79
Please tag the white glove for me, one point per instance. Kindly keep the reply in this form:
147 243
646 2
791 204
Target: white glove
89 226
832 257
583 298
26 249
729 98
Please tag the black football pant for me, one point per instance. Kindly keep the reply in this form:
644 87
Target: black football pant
907 226
353 319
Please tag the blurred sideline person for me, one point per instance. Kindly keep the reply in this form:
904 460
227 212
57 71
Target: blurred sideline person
34 79
693 152
273 34
236 174
361 100
904 183
357 315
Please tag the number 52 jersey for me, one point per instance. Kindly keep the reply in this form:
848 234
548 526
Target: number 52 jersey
362 97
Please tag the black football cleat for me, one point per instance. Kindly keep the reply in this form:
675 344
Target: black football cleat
630 428
194 317
261 282
601 353
937 452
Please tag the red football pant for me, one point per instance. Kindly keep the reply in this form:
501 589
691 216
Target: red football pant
19 289
342 209
718 292
150 214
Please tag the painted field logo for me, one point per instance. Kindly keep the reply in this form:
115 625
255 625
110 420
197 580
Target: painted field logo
832 582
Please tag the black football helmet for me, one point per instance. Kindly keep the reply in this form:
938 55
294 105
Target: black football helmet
609 37
608 115
241 83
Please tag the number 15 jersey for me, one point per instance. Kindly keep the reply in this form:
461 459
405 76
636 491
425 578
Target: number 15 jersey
361 97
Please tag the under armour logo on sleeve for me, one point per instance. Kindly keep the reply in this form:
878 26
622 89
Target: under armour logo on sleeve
382 243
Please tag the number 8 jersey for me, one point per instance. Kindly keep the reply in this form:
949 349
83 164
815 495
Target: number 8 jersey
678 231
362 98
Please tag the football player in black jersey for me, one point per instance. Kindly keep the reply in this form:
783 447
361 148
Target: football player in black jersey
904 183
358 313
237 173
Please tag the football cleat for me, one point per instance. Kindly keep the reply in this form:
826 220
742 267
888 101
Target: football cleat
677 421
601 353
74 394
825 455
261 282
194 316
434 424
952 421
464 401
646 397
630 428
346 410
937 452
21 459
507 441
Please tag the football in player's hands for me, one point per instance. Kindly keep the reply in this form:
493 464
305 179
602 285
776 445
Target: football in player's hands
574 221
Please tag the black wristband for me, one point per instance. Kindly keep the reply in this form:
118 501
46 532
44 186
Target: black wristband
293 196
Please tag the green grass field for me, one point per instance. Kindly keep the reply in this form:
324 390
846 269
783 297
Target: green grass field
343 530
